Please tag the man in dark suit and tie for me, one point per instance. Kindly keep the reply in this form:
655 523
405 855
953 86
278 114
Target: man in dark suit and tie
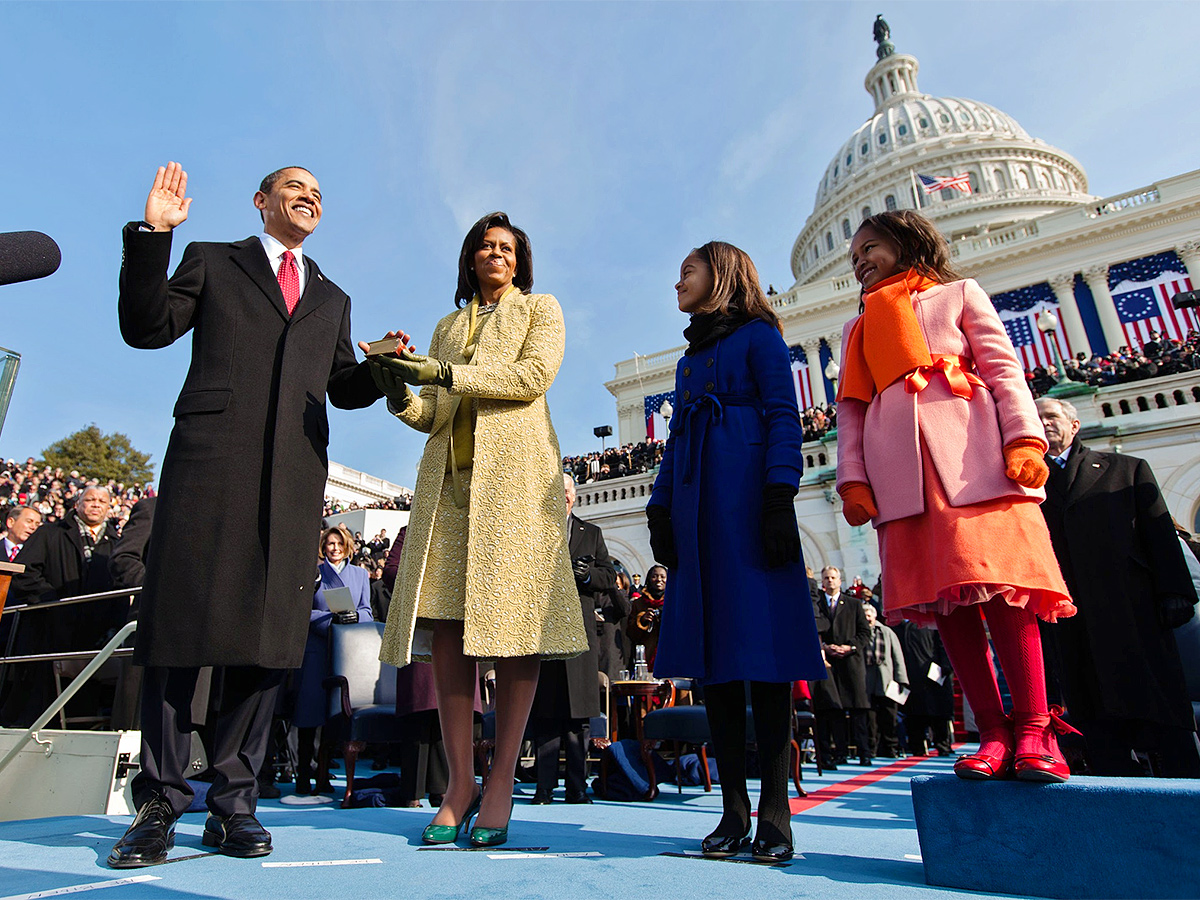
19 523
568 691
1115 663
843 643
229 574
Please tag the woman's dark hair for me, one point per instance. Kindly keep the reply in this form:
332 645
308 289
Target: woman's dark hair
736 288
468 282
922 246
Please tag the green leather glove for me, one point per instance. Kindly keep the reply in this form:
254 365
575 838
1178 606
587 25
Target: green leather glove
388 382
412 368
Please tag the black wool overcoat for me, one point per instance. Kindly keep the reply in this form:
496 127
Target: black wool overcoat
582 684
1116 545
229 576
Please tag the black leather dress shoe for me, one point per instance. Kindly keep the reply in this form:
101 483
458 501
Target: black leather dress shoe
540 798
268 791
767 852
148 839
578 798
238 835
722 846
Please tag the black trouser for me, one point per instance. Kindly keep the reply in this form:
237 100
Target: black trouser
883 727
423 768
1111 743
570 736
240 739
915 725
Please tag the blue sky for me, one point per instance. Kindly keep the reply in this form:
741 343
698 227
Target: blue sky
619 135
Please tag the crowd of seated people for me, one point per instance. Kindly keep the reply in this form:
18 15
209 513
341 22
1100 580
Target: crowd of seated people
52 492
334 506
819 420
1157 357
615 462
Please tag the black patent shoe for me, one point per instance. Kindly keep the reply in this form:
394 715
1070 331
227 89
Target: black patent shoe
723 846
238 835
579 798
771 851
148 839
540 798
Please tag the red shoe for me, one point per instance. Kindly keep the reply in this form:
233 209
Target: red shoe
994 758
1037 756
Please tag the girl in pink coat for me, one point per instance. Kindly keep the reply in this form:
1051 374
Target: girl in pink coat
940 446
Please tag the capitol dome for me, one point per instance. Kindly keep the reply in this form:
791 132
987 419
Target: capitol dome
1012 176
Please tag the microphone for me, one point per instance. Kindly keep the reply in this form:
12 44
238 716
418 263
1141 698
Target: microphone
26 255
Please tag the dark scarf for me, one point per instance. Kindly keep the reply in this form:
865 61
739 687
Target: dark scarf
708 328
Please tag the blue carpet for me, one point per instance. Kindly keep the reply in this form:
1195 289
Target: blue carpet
1110 837
861 844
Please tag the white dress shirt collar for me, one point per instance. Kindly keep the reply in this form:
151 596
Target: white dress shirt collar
275 250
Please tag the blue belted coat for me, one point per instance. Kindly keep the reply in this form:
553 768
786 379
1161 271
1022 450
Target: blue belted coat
736 427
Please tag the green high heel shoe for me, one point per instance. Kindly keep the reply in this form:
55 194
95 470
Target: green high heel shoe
490 837
448 834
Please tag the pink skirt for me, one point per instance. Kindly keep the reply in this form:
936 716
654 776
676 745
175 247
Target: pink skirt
953 556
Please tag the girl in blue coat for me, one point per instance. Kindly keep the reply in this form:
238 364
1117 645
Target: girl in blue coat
722 520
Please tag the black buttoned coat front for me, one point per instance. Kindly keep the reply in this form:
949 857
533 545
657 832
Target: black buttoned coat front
233 549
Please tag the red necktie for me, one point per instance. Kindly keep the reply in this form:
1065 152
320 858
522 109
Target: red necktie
289 280
13 553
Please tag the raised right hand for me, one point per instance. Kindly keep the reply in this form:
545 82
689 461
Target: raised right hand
167 205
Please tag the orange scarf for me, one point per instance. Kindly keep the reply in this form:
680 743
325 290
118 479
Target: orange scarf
886 342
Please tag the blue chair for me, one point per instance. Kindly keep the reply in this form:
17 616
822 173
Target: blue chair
361 691
682 725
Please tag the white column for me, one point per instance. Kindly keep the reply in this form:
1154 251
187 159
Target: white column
631 424
812 350
1189 252
1064 290
1097 279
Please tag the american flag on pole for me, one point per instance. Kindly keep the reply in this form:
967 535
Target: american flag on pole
1019 311
1142 290
941 182
656 426
800 378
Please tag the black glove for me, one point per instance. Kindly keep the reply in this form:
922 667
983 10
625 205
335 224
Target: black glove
780 533
662 536
582 568
1175 610
345 618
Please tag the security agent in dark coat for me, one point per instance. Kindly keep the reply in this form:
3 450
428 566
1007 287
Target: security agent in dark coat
60 563
568 691
1115 663
930 705
843 642
230 583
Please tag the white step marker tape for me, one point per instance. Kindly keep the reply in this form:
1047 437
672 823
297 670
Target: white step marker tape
544 855
319 862
915 856
80 888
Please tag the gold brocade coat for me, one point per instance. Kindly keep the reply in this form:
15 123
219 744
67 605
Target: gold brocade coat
521 597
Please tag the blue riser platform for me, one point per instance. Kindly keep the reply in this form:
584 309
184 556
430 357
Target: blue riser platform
1090 837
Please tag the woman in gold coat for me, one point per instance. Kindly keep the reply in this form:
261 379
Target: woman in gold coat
485 566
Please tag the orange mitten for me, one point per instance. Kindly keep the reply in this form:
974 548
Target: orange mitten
1023 462
858 502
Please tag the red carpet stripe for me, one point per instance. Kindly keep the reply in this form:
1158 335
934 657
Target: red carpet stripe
817 797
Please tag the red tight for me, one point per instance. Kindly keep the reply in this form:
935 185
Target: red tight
1019 647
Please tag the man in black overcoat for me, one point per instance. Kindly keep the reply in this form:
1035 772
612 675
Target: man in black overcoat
229 576
63 559
843 642
568 691
1115 663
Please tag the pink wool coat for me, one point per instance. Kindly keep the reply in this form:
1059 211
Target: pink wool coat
880 443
